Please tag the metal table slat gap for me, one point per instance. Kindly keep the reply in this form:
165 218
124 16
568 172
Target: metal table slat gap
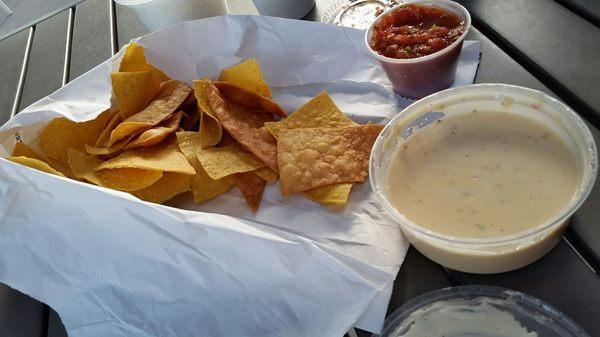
589 16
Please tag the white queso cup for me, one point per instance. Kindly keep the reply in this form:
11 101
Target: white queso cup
496 254
157 14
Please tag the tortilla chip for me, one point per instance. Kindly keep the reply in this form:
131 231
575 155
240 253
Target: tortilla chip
309 158
267 174
124 179
157 134
247 75
34 163
252 187
319 112
167 187
190 118
135 60
162 157
133 91
101 151
23 150
102 140
203 186
246 126
222 161
335 195
169 98
248 99
210 127
61 134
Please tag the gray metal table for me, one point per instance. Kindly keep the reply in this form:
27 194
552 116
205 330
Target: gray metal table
566 278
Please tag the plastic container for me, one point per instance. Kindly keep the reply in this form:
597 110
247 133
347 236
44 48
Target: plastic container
498 254
418 77
157 14
292 9
357 14
528 312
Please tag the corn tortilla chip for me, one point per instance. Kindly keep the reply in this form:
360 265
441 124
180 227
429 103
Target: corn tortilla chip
309 158
203 186
61 134
133 91
101 151
23 150
319 112
252 187
157 134
210 127
169 98
335 194
267 174
124 179
167 187
165 156
36 164
226 160
246 126
102 140
247 75
135 60
248 99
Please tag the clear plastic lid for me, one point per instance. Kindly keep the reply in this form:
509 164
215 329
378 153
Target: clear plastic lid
356 13
479 311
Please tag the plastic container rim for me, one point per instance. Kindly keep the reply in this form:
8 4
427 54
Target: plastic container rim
475 243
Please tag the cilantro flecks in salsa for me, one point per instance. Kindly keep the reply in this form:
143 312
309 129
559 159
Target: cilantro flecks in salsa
413 31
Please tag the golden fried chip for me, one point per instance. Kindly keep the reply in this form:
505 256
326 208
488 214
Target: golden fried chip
23 150
169 98
267 174
335 194
61 134
252 187
246 126
135 60
133 91
222 161
247 75
309 158
124 179
116 147
162 157
167 187
35 164
319 112
248 99
102 140
203 186
190 118
210 127
157 134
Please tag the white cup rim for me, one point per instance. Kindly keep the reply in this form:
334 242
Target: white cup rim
386 59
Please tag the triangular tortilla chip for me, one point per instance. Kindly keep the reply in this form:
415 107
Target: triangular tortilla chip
157 134
248 99
226 160
267 174
133 91
247 75
35 164
167 187
252 187
309 158
210 127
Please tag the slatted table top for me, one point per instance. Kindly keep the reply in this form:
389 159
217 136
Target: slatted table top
554 50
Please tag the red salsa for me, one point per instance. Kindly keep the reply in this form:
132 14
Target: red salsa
414 31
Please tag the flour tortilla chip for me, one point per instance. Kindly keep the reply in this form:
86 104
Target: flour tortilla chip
34 163
165 156
61 134
252 187
210 127
167 187
203 186
133 91
124 179
267 174
246 126
247 75
222 161
171 95
320 111
248 99
157 134
314 157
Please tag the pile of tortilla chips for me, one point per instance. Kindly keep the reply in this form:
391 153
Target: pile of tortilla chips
164 138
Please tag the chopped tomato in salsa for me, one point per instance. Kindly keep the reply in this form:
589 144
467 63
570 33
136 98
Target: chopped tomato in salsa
414 31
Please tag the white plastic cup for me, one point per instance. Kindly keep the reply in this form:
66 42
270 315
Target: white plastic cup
497 254
157 14
292 9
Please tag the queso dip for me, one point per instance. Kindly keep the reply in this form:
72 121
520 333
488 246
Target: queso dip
482 174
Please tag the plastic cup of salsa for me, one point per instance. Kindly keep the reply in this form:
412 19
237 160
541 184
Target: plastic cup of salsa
420 76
